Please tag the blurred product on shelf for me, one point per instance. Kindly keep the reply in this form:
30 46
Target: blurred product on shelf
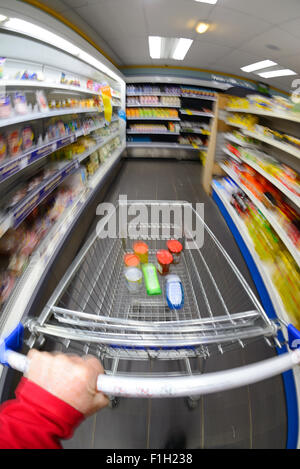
196 93
149 128
247 121
271 198
153 101
192 140
151 113
152 89
276 104
17 245
283 269
280 171
198 127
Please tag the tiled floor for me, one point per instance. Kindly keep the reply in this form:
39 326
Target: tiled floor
249 417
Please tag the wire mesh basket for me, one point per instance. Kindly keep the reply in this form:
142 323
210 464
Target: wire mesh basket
93 307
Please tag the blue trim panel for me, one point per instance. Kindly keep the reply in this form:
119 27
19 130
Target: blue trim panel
288 377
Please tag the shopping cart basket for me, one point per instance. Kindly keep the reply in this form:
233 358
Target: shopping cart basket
93 311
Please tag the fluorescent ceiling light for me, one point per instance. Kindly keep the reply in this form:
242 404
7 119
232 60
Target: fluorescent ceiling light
42 34
202 28
181 48
2 18
258 66
211 2
155 43
277 73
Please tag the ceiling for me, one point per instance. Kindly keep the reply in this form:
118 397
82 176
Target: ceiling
242 31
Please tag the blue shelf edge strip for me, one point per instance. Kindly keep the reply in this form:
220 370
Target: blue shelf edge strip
288 377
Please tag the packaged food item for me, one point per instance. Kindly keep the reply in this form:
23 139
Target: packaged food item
175 248
20 103
151 279
14 141
5 106
141 250
134 278
3 147
27 138
41 101
7 282
2 62
164 259
174 292
131 260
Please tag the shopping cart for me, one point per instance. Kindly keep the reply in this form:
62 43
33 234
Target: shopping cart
92 310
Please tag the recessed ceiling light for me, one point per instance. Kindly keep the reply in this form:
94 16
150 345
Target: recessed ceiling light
2 18
277 73
202 27
181 48
258 66
211 2
155 43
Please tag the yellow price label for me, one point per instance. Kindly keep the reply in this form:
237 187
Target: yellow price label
107 102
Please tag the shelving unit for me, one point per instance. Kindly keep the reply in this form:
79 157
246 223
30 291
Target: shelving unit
180 137
270 141
267 214
16 171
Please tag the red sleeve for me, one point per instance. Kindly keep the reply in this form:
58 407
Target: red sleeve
36 419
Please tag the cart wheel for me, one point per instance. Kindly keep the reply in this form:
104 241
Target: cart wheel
192 403
114 402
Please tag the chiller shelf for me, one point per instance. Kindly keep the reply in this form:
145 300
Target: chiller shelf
196 113
21 211
153 132
45 115
175 146
153 119
267 214
157 105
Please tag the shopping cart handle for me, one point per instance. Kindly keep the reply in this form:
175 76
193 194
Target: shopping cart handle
183 386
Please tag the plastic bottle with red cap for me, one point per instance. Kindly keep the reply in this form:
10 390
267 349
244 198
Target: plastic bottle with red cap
164 260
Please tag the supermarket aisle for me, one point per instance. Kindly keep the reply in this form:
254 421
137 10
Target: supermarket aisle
250 417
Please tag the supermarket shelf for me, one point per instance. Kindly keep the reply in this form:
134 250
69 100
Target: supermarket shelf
293 197
205 98
173 146
233 124
29 203
190 131
232 155
267 214
293 117
44 115
153 119
196 113
158 105
56 86
270 141
12 166
263 268
235 140
167 132
154 94
43 257
100 144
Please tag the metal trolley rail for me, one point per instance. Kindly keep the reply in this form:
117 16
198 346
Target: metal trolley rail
92 310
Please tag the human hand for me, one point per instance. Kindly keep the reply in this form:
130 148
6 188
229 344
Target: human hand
70 378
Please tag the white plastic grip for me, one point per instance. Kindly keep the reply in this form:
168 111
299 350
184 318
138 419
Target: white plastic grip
183 386
197 385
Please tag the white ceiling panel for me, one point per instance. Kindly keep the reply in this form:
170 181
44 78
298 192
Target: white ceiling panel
232 28
286 43
114 18
272 11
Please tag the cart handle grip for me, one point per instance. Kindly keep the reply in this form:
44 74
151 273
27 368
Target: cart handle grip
183 386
